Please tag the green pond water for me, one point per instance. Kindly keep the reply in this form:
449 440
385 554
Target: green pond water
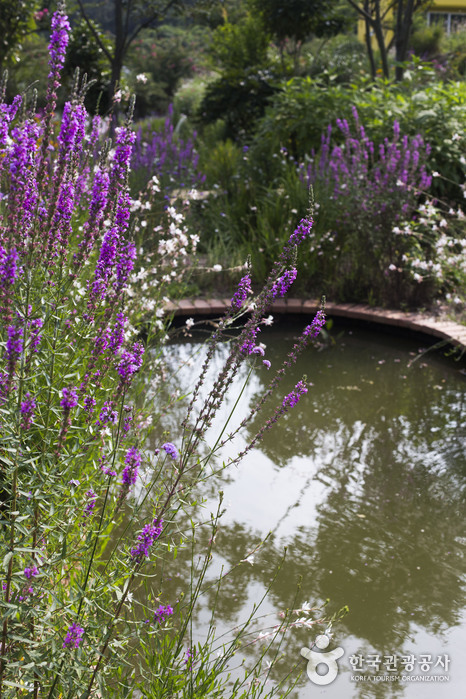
364 483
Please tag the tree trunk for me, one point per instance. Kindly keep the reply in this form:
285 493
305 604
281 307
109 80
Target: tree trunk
378 30
404 21
368 39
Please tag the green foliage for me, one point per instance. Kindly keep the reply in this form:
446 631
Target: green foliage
16 22
158 61
188 96
340 59
297 19
240 45
425 41
301 111
239 98
32 70
452 62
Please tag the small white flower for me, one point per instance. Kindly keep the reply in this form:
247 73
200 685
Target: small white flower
217 268
268 320
249 559
435 174
189 323
141 78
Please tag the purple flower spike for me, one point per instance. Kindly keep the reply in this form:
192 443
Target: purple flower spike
70 399
9 269
90 505
242 292
301 232
14 344
146 538
315 327
27 411
58 42
293 398
171 450
131 362
74 636
284 282
133 462
31 572
161 613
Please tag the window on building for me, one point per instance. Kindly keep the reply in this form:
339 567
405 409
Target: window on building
451 21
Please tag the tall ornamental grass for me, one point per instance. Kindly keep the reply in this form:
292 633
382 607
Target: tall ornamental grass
88 513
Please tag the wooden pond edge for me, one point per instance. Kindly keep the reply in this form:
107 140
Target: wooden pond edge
441 328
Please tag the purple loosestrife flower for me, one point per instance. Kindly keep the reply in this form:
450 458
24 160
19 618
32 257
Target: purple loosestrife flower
31 572
242 292
89 404
162 613
107 414
316 326
133 461
90 505
124 141
69 399
9 268
189 658
14 347
72 130
74 636
105 264
27 411
249 343
171 450
58 41
301 232
294 396
284 282
34 337
117 334
146 538
131 362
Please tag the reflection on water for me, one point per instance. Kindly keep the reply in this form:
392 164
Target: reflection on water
364 483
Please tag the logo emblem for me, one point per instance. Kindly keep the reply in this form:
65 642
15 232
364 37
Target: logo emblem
315 659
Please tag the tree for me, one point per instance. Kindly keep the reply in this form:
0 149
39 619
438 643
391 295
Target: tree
297 20
129 18
382 17
16 22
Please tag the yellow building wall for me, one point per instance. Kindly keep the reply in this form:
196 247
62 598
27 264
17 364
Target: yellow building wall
435 6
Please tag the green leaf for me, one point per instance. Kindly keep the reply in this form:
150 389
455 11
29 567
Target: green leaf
7 559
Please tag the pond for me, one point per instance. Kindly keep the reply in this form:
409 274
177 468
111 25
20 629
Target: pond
364 483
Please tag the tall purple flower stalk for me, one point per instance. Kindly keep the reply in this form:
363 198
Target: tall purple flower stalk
242 292
133 461
173 160
146 539
27 408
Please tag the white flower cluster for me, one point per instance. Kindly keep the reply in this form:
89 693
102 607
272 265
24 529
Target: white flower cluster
436 248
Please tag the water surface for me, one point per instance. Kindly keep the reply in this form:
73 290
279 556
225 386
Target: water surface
364 483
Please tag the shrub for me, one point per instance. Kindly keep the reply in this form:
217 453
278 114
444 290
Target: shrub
301 111
376 239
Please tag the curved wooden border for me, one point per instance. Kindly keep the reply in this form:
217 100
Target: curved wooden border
447 330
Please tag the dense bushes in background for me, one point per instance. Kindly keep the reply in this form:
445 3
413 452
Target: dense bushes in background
303 108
